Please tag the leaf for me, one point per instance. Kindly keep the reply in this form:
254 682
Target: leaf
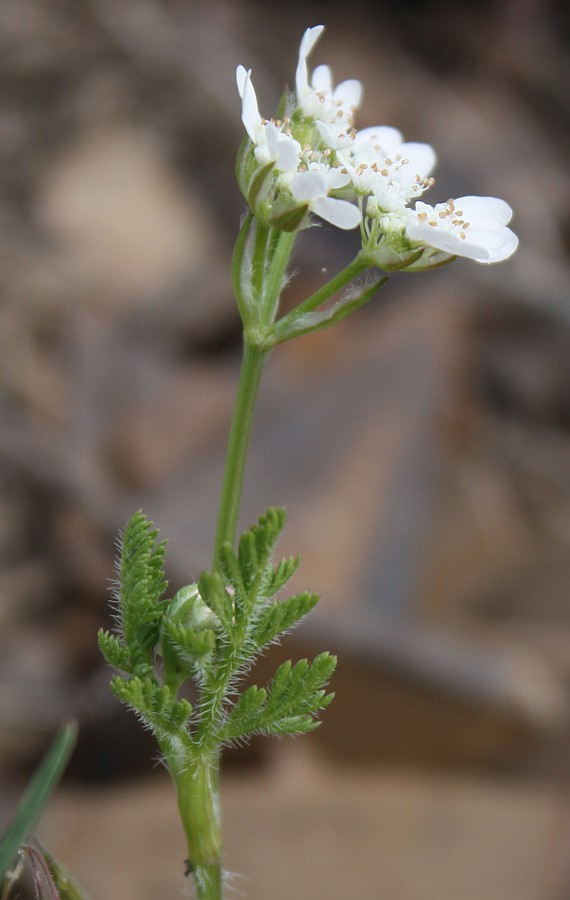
46 888
67 887
154 704
288 706
38 792
114 651
214 594
141 584
243 717
257 544
280 616
188 643
282 573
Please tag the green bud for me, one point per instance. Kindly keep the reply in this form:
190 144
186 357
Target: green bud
188 609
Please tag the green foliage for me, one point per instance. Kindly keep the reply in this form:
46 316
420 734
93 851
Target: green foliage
288 706
280 616
140 586
154 703
65 885
36 795
210 633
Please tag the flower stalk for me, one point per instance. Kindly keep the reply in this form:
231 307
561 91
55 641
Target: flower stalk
236 457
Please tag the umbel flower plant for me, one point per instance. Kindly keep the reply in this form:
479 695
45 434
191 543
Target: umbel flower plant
306 164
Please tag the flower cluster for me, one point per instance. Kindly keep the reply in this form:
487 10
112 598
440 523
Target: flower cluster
312 160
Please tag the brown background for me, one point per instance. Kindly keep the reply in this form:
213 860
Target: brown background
421 448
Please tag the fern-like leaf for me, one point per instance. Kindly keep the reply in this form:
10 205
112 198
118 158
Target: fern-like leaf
257 544
141 584
279 616
188 643
114 651
288 706
245 713
214 594
154 704
281 574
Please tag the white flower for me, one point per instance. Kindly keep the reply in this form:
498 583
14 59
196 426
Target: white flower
312 189
319 99
316 152
279 148
474 227
380 163
272 144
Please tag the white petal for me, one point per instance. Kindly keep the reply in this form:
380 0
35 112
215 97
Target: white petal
482 245
499 245
383 136
322 80
349 93
334 136
338 212
422 159
241 75
306 186
449 241
484 210
250 115
289 151
308 41
336 178
272 138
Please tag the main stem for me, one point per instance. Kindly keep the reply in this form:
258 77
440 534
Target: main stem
199 797
248 387
199 789
199 805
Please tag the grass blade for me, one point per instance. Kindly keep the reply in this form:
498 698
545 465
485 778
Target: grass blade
37 793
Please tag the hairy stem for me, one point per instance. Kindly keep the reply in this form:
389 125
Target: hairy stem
199 805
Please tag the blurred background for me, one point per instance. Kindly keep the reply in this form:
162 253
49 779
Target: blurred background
422 447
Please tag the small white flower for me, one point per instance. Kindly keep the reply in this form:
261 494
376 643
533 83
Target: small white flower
382 164
336 136
473 227
316 152
319 99
272 144
312 189
279 148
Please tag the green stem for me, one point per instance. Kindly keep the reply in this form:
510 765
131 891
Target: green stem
274 282
270 255
199 805
346 275
208 881
248 387
197 785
